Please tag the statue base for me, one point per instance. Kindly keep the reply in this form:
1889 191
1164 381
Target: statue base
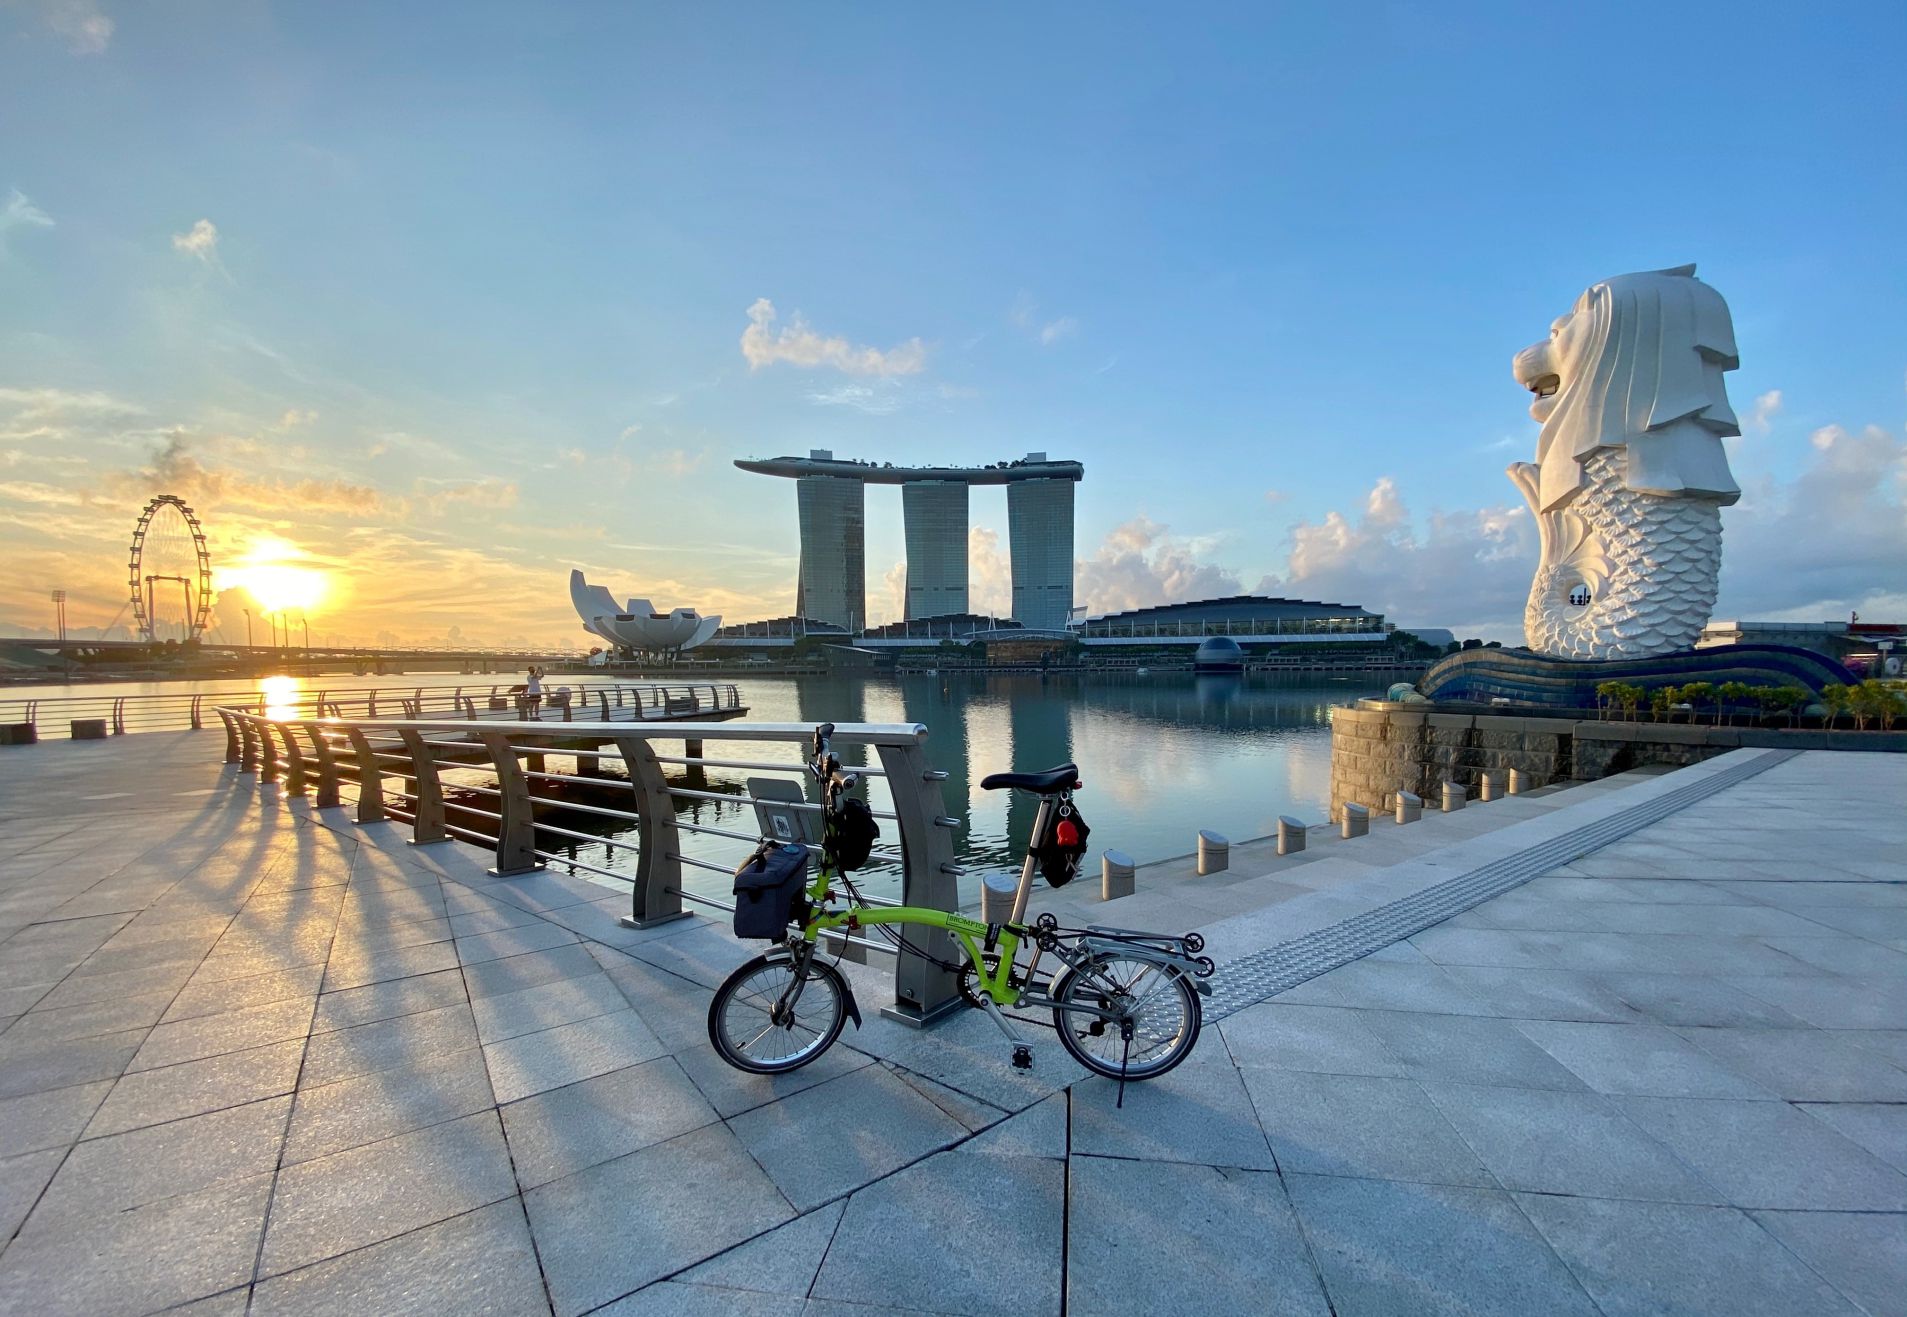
1530 680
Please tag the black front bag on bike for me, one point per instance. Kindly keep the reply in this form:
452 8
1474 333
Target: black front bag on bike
855 830
770 890
1063 847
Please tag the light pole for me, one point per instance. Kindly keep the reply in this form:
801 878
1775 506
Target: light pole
248 627
59 611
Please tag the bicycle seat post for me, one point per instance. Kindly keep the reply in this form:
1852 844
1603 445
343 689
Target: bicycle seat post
1026 869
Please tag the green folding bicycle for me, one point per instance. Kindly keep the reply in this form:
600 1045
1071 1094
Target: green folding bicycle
1126 1004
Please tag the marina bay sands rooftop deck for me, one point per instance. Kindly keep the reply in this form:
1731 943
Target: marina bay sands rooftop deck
1034 466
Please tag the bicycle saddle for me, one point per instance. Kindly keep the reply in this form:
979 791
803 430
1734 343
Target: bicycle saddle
1051 782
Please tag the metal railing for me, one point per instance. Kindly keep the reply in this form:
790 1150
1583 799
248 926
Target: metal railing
396 771
606 701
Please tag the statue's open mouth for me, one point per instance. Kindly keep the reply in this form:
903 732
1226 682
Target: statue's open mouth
1545 386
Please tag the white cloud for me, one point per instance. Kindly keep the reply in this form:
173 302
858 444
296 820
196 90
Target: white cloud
1141 564
20 213
879 399
86 29
1025 315
1766 407
1467 570
797 344
200 241
1826 544
989 574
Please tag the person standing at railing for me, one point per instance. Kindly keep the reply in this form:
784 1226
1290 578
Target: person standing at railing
533 694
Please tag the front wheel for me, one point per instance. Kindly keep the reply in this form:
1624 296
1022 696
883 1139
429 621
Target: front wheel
1141 1018
767 1020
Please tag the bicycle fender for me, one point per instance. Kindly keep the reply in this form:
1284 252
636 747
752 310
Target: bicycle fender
847 988
1157 956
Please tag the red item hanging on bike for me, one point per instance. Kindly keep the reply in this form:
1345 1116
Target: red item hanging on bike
1064 845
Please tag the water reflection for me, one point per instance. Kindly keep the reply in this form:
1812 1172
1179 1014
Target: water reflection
1161 757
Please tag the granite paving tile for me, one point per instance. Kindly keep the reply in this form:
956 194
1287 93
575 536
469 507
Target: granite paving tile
1640 1059
187 1247
111 1016
387 1000
1328 1039
329 1206
550 1058
34 1065
21 1180
50 1118
1565 1143
214 996
1386 1247
229 1031
702 1193
1879 1127
782 1261
368 1108
828 1140
671 1298
402 1040
513 973
564 1130
934 1199
480 1263
1804 1064
1360 1125
1199 1112
1235 1243
1861 1254
123 1171
1468 1050
1768 1154
1637 1258
153 1096
544 1007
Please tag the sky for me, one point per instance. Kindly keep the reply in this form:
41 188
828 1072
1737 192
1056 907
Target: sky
420 307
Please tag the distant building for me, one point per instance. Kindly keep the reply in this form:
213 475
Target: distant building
637 626
831 497
1251 620
1864 646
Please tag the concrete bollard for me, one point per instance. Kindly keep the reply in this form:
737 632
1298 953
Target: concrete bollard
1116 876
1410 807
1357 820
1490 787
1214 853
1290 835
1519 782
1454 797
89 729
996 898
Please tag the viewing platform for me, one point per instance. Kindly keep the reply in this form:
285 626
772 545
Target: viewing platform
1630 1045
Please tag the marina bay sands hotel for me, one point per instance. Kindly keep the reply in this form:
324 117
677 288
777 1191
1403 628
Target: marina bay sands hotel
831 494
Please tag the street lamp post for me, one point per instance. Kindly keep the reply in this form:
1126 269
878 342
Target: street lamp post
248 626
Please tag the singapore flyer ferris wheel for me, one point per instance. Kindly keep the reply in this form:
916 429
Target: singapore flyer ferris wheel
169 572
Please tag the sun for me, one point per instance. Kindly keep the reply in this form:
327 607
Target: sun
279 575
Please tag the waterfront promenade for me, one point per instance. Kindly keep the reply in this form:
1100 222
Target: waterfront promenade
256 1058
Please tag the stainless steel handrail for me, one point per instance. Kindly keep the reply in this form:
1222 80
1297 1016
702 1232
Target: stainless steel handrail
435 756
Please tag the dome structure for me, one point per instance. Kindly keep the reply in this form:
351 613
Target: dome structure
1218 654
638 626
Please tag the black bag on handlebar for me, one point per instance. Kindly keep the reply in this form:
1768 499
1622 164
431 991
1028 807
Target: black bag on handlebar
769 891
855 829
1063 847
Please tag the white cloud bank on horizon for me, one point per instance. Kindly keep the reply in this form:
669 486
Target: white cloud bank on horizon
798 344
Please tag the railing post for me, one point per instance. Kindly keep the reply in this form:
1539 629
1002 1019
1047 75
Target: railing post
294 761
267 751
516 832
370 778
119 716
327 797
232 750
923 992
196 722
248 743
658 887
428 825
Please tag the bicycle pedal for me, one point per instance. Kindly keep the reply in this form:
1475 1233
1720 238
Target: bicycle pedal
1022 1057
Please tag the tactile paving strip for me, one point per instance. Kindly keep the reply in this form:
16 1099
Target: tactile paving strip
1251 979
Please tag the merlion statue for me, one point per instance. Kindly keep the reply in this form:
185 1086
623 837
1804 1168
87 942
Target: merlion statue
1630 476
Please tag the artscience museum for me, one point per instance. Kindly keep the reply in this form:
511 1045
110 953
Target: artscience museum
638 627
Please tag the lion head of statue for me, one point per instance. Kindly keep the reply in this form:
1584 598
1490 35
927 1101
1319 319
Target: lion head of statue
1636 366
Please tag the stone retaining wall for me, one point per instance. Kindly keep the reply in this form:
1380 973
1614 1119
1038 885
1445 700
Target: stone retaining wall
1379 748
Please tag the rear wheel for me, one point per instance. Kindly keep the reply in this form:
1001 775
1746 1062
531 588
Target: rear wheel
759 1023
1154 1004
